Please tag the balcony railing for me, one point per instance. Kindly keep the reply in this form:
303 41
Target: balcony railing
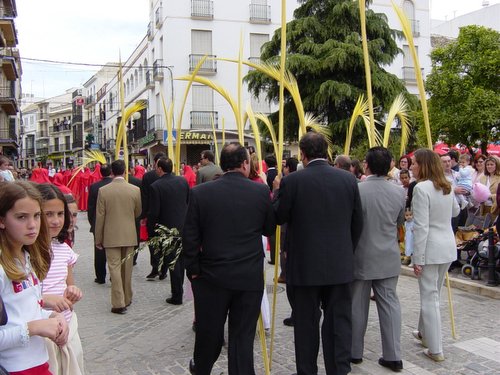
30 152
110 144
42 151
7 134
7 92
409 74
60 127
54 148
150 83
155 123
202 9
89 100
88 125
415 27
260 13
150 31
208 67
42 134
158 17
158 70
204 119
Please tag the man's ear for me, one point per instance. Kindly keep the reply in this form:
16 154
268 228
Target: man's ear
2 224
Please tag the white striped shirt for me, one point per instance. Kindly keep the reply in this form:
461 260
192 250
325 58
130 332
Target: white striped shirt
55 282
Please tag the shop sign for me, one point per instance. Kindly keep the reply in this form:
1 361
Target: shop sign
191 136
147 139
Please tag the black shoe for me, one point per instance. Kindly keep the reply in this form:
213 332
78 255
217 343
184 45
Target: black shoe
356 361
163 276
119 310
395 366
174 301
288 322
152 276
271 263
135 263
99 281
192 368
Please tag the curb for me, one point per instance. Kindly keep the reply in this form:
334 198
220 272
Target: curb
466 285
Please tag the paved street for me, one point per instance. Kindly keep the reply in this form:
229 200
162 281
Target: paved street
156 338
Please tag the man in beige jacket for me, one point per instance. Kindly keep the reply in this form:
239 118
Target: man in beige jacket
118 204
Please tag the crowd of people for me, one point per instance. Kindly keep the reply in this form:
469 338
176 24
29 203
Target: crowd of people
346 226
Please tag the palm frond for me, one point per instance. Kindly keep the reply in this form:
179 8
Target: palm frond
265 119
360 110
88 157
256 132
311 123
399 108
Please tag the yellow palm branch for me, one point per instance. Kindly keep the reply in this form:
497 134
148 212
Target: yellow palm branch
217 160
360 110
169 113
256 132
262 117
121 133
405 24
399 108
222 91
89 157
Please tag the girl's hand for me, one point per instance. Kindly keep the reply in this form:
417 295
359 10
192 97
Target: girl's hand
57 303
63 330
73 293
417 270
45 328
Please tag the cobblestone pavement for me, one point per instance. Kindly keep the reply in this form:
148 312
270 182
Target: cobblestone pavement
156 338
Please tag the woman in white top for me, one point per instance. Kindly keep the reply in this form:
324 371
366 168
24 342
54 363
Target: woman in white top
433 206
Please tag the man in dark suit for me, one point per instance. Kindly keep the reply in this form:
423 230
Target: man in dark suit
170 195
136 182
147 180
99 255
322 208
222 246
270 176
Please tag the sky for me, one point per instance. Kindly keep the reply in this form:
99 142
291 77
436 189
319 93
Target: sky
97 31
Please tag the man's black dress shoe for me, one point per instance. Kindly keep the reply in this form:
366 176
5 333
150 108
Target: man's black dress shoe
356 361
152 275
395 366
99 281
119 310
288 322
163 276
173 301
192 368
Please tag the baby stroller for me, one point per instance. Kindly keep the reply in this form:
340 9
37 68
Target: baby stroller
477 261
468 238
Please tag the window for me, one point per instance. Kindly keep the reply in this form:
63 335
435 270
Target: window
409 11
256 43
203 112
408 66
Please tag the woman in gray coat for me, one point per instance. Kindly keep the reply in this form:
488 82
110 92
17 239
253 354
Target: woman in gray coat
433 206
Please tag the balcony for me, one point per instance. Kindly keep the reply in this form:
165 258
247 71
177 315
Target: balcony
159 17
150 31
204 119
54 148
78 143
30 152
9 67
255 60
88 126
202 9
8 135
42 134
260 13
8 100
60 127
208 67
42 151
43 116
155 123
89 101
158 70
150 83
409 74
110 144
8 30
415 27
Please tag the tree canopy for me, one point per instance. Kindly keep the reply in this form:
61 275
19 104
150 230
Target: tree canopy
464 88
325 54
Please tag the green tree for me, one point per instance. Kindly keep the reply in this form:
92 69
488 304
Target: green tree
325 54
464 88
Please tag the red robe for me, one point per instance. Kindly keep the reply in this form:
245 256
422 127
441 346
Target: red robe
139 171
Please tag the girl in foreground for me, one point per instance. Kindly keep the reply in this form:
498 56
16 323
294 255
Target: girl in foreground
24 261
59 283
